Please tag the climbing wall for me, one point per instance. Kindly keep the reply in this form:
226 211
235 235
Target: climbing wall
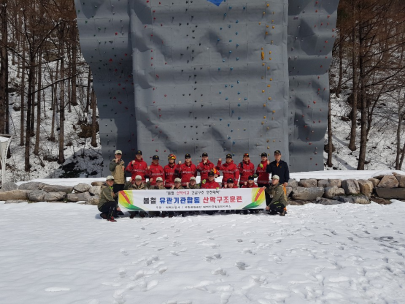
193 76
311 35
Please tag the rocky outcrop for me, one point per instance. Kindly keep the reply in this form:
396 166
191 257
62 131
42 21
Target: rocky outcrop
323 183
81 188
401 180
329 183
307 194
97 183
331 192
95 190
354 199
308 183
292 183
94 200
54 196
374 181
351 186
326 201
388 181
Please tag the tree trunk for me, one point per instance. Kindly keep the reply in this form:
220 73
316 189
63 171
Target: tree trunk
74 66
363 100
22 114
339 86
4 72
94 118
61 158
330 143
88 91
398 157
31 72
352 143
38 124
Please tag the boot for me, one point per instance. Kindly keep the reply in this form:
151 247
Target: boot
103 216
111 219
282 213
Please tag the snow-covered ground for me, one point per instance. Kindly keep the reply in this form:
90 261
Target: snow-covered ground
63 253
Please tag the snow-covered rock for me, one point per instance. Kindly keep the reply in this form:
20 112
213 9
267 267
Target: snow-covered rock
351 186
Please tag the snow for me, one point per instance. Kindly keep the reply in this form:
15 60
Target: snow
4 139
64 253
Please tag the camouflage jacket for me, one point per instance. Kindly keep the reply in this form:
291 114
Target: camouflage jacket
133 186
196 186
106 195
277 194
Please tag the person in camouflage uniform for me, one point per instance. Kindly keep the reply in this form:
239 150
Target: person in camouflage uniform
193 184
107 204
278 202
136 184
117 168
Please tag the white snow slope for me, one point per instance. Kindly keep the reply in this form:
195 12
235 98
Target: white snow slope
63 253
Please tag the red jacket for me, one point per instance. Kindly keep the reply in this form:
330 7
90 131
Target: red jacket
204 169
228 171
154 172
245 170
186 172
170 174
140 167
250 186
210 185
263 176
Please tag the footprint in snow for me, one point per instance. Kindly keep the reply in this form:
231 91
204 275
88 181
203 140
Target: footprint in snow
152 259
122 272
210 230
241 265
219 271
152 284
247 250
124 252
175 253
239 240
162 270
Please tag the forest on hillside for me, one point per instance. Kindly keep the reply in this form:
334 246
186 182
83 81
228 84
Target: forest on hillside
44 80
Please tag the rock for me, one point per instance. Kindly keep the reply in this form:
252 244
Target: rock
57 188
81 188
380 177
37 196
335 182
289 190
326 201
292 183
15 201
401 180
8 187
307 194
351 186
388 181
331 192
354 199
95 190
94 200
31 186
75 197
298 202
97 183
308 183
323 183
397 193
54 196
14 195
366 187
374 181
380 200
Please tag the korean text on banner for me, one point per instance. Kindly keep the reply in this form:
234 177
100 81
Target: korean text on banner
192 199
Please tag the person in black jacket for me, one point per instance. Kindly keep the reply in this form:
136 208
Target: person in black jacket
280 168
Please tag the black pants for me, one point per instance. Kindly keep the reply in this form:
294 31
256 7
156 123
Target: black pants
276 207
109 208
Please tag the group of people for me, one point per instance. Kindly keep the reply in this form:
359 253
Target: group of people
183 176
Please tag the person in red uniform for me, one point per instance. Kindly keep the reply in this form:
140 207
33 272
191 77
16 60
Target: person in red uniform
137 167
205 166
250 183
155 170
186 170
170 171
246 169
210 183
262 175
230 184
229 169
